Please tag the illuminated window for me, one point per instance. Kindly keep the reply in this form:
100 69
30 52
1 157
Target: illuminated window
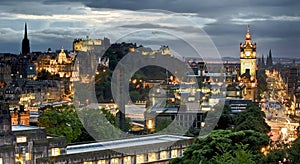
101 162
1 161
87 162
163 155
114 161
174 153
55 151
21 139
127 160
28 156
140 158
152 157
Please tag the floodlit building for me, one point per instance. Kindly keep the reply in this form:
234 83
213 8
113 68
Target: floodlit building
90 44
248 68
59 64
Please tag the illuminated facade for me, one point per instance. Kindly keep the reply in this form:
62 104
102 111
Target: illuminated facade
248 68
22 118
248 56
89 44
61 64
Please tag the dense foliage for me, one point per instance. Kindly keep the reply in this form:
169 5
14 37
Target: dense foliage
225 146
238 139
92 123
137 93
252 119
261 82
61 121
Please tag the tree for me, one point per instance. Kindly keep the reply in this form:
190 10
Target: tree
227 146
226 119
293 152
103 85
81 125
162 124
252 119
61 121
100 124
287 153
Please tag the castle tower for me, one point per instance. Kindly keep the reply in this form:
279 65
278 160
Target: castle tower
25 42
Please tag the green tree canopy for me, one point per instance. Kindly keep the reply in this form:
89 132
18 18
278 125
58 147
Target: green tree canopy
61 121
252 119
225 145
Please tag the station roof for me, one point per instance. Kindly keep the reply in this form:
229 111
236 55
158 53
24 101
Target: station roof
124 143
15 128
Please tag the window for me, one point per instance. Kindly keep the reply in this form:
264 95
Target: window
21 139
55 151
101 162
163 155
152 157
114 161
140 158
1 161
127 160
28 156
174 153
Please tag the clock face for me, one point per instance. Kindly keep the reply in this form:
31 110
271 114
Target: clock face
248 53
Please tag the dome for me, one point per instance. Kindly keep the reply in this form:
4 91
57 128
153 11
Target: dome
61 57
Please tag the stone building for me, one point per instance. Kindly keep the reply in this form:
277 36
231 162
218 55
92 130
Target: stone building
59 64
25 144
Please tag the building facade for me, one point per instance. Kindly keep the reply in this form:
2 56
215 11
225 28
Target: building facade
25 144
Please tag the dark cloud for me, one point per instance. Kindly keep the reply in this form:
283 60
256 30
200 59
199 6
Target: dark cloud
274 24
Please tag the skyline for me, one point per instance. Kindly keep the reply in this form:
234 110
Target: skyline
53 24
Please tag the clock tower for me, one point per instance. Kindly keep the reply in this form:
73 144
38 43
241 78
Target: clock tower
248 56
248 67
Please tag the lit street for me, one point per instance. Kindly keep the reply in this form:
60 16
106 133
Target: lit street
274 104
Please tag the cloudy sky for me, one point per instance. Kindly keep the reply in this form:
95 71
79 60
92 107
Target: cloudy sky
275 24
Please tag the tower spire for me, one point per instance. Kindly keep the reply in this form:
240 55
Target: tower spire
25 42
25 33
248 36
248 29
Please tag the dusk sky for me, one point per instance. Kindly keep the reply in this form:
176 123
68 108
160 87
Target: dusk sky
275 24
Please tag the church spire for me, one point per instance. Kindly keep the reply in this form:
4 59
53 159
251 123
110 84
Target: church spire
270 58
25 42
25 33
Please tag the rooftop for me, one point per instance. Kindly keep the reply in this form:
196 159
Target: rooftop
124 143
24 127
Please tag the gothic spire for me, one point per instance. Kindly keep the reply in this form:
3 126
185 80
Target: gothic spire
25 42
270 58
25 33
